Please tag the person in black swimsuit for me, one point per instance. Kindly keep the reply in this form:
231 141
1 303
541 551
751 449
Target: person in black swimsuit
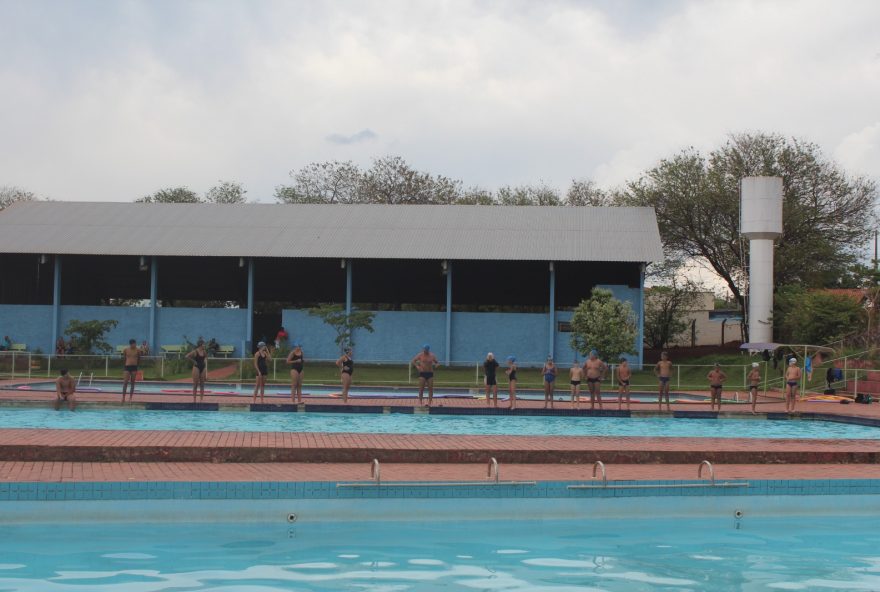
296 361
489 368
716 378
199 356
426 362
262 368
511 378
346 369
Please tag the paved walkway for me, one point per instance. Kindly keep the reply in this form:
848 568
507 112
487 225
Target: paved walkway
148 471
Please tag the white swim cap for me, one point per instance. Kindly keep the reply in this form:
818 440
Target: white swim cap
792 360
755 364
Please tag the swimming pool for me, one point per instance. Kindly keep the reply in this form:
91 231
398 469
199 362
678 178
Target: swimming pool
216 391
405 423
797 552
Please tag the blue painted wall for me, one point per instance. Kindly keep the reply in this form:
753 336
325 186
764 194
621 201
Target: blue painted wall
226 325
30 324
398 335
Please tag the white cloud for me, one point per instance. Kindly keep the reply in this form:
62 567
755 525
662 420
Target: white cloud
114 101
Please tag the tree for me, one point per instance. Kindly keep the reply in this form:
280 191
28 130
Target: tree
344 325
827 215
584 192
10 195
528 195
476 196
603 323
666 309
816 316
227 192
172 195
323 182
88 336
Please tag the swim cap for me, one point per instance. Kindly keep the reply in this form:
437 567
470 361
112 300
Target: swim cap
490 355
511 359
261 344
622 359
549 357
594 352
755 364
792 360
296 344
717 365
426 347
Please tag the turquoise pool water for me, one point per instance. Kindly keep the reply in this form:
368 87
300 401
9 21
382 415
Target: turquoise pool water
718 554
398 423
217 390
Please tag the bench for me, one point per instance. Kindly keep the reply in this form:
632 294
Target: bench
225 350
18 347
173 349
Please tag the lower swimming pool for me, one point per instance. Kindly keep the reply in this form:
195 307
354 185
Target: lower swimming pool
795 552
404 423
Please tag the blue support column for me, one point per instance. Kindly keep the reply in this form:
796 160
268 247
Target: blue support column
347 287
249 325
154 291
552 311
448 311
640 346
56 301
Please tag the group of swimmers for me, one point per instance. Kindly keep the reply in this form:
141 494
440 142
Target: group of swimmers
593 370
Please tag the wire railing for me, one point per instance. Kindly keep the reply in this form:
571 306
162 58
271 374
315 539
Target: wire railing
462 374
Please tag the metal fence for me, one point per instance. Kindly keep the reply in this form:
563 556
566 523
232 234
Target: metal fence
468 373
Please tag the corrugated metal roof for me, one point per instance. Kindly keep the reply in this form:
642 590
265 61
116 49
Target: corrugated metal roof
514 233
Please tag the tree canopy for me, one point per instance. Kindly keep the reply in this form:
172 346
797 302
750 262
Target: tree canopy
225 192
827 214
604 323
10 195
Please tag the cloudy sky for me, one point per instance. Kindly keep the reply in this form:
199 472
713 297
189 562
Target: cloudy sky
112 100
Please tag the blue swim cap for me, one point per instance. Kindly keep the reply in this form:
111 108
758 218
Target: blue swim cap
511 359
297 344
594 352
426 346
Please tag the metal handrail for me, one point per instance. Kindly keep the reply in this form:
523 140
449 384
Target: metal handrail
600 465
493 468
706 463
375 472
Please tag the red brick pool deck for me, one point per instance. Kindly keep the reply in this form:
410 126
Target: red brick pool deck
87 455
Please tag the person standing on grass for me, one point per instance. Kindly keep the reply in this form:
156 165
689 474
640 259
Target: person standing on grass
261 365
595 369
716 379
576 376
663 371
624 373
511 380
198 356
131 358
792 382
65 390
280 337
425 362
754 379
296 361
490 366
346 368
549 372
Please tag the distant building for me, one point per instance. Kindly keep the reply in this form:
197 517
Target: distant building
708 326
466 279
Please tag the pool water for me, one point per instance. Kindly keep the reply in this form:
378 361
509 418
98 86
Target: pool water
216 391
718 554
398 423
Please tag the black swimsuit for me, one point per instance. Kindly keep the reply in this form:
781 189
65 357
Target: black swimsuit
512 375
199 362
348 366
261 365
296 363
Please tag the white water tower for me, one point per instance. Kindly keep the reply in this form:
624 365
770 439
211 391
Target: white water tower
761 222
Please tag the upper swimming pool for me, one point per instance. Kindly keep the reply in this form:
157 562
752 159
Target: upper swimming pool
216 391
404 423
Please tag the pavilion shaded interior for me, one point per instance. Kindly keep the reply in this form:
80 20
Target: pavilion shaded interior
398 284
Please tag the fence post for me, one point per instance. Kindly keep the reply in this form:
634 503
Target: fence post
477 374
745 377
30 361
409 373
48 366
677 376
162 367
106 366
856 384
13 364
274 368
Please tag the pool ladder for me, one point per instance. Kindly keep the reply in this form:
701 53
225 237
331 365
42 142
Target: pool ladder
493 471
711 483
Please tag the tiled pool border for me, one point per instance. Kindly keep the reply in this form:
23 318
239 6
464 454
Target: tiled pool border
267 490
